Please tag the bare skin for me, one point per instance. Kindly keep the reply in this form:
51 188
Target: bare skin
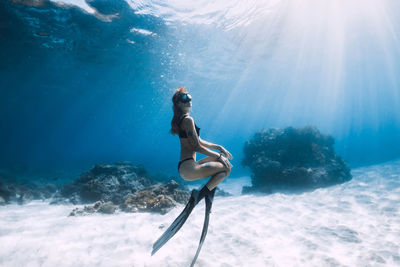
215 164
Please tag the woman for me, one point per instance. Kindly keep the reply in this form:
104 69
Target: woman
215 165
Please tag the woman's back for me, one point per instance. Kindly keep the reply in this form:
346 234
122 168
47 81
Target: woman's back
187 149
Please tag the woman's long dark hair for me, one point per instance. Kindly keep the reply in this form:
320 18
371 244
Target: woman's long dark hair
177 111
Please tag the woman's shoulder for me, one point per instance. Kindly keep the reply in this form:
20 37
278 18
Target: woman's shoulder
187 119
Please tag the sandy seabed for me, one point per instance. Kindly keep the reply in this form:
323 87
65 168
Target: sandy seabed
353 224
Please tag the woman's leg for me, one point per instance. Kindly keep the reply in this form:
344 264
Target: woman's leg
212 159
206 159
216 179
215 169
191 171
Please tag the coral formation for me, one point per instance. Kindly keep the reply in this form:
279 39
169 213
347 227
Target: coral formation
293 159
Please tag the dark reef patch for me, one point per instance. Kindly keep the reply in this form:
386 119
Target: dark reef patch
293 159
106 188
22 190
120 185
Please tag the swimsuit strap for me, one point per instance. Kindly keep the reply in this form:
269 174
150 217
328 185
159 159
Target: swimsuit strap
181 119
182 133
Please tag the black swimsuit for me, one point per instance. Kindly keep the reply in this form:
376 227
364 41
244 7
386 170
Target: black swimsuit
180 162
183 134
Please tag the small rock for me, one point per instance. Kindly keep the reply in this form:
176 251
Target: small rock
98 207
107 208
2 201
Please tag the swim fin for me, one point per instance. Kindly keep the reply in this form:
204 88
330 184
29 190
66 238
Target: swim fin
209 200
195 198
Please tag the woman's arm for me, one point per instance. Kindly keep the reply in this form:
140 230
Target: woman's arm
208 144
194 139
214 146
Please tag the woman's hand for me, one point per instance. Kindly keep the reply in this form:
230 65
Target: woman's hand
225 152
224 161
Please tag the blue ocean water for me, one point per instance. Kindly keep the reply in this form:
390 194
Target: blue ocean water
84 82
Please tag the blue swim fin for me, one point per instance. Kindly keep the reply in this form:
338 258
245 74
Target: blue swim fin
195 198
209 200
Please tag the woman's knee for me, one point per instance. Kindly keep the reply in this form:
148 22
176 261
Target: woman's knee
210 168
224 169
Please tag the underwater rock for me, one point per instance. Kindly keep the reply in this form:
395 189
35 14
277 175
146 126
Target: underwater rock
105 182
156 198
2 201
221 193
293 159
13 190
107 187
98 206
121 185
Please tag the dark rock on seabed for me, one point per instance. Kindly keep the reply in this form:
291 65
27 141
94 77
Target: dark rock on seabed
106 188
105 182
120 186
14 190
99 206
155 198
293 159
158 198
